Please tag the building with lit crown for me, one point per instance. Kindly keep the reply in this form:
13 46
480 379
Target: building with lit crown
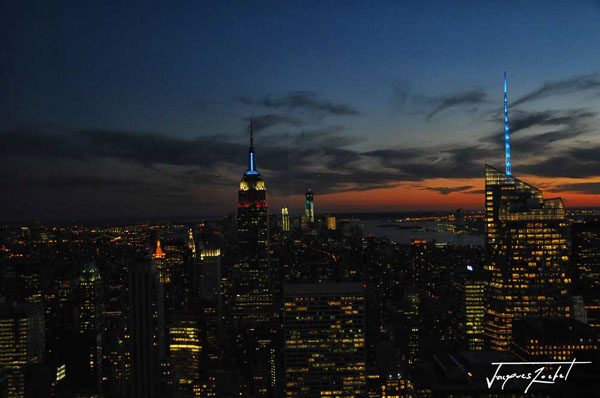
253 298
526 252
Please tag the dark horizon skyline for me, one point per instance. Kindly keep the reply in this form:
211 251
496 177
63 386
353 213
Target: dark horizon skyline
111 111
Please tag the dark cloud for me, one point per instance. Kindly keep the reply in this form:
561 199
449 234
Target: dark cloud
583 187
570 163
162 169
262 122
441 103
572 123
561 87
142 148
523 120
322 137
476 192
303 100
538 143
393 158
449 190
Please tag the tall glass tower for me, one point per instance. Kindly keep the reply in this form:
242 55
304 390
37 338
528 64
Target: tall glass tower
309 207
527 256
526 250
253 299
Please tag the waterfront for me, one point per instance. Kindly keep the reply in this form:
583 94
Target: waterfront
403 232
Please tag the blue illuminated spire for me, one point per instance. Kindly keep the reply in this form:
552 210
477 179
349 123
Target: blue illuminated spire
506 134
251 164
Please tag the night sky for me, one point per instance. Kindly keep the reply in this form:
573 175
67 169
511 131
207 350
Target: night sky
134 110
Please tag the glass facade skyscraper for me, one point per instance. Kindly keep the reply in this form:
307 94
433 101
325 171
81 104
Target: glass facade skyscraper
309 207
527 256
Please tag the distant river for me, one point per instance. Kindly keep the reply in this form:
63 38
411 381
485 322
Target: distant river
402 232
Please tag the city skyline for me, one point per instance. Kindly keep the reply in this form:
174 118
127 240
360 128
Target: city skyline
393 116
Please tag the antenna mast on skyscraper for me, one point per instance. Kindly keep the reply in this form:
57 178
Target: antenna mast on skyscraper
251 135
506 133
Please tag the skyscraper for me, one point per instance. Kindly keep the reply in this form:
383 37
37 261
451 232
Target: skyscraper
161 267
146 327
585 239
185 350
91 324
253 299
324 333
331 225
285 219
309 208
526 253
91 308
209 268
22 343
468 308
191 242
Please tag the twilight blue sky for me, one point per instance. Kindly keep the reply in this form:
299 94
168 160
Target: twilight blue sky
140 109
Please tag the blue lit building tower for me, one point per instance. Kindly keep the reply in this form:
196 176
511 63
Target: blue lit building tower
309 207
253 298
506 132
526 252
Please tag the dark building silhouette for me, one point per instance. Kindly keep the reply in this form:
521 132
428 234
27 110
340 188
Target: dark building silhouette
91 325
552 339
146 327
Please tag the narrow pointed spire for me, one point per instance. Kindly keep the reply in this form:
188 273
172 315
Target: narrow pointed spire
251 135
251 165
506 132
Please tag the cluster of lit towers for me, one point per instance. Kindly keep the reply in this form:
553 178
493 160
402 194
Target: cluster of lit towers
525 277
310 339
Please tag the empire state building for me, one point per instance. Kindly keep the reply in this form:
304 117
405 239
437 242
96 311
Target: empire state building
254 298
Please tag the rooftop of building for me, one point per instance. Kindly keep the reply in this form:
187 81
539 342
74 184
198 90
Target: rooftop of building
323 289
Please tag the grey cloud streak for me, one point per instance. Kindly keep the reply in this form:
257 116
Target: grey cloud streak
303 100
561 87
